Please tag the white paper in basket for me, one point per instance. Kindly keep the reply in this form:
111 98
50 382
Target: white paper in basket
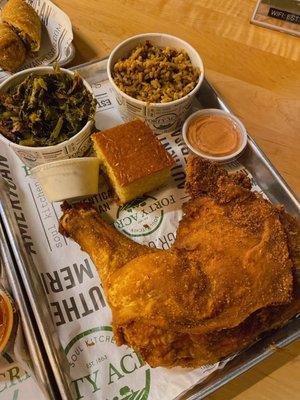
17 384
57 36
99 369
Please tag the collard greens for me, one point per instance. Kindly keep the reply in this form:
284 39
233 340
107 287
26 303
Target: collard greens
44 110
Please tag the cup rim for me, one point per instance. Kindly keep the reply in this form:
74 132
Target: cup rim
57 163
58 145
145 103
216 111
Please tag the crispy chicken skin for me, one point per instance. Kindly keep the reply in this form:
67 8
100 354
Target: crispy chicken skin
228 278
109 249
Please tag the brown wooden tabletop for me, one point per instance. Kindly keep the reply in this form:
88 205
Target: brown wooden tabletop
257 71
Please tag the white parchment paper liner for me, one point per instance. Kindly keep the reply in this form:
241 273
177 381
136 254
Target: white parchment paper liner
57 36
99 369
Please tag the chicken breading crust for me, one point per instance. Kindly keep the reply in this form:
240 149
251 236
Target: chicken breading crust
229 276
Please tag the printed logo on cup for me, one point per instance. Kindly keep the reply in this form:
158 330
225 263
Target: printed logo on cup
164 121
81 146
142 216
99 371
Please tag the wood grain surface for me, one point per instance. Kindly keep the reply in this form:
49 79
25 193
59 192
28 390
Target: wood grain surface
257 71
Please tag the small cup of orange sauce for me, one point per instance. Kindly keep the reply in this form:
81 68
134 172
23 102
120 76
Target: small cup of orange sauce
6 318
215 135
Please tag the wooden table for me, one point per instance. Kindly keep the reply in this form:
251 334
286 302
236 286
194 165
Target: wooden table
257 71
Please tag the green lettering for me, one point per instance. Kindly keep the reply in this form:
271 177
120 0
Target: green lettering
141 361
4 387
125 369
78 394
134 217
26 170
93 382
128 219
119 224
14 376
113 371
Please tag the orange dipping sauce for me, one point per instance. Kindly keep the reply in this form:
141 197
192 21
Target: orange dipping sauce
214 135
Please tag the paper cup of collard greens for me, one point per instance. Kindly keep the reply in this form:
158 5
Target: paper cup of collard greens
46 114
155 77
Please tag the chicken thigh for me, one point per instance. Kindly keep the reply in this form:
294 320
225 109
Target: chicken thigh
229 276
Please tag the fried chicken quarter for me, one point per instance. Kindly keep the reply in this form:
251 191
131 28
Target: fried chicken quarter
228 278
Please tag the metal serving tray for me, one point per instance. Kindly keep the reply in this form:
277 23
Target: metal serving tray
49 363
39 360
265 175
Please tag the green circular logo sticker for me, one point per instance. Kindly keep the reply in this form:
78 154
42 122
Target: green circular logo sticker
142 216
99 369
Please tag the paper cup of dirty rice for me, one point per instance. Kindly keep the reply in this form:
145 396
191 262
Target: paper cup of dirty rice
46 114
155 77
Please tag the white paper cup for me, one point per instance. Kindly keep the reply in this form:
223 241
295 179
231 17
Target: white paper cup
76 146
68 179
161 117
215 111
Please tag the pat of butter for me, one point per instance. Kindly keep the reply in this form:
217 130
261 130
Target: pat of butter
68 179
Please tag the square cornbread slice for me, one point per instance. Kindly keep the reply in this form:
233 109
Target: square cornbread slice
133 158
